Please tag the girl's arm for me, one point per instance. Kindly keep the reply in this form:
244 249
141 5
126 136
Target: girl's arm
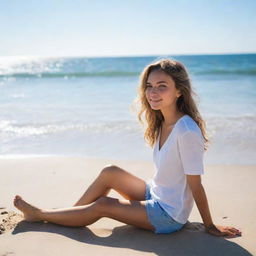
200 198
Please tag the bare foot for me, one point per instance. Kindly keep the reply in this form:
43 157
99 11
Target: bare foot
31 213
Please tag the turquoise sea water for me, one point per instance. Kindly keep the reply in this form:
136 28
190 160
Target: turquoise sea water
82 106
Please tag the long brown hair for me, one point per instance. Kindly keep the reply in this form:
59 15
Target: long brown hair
185 103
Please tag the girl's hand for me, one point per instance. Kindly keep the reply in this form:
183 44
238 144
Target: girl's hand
223 231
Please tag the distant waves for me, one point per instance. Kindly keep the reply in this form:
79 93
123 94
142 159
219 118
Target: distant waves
39 67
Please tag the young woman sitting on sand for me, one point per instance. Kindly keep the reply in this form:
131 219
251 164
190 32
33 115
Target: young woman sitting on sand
176 131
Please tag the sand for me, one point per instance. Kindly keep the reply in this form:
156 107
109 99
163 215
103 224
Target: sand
53 182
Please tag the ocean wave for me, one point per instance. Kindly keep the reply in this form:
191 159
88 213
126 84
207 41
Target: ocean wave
242 126
251 72
39 67
228 126
67 75
71 75
26 130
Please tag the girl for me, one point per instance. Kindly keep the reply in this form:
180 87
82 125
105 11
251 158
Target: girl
176 131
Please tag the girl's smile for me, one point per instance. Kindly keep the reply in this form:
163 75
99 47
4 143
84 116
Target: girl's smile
161 92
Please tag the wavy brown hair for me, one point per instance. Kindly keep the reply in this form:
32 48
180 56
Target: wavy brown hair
185 103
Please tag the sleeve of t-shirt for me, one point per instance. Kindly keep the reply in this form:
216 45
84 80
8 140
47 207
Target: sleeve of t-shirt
191 149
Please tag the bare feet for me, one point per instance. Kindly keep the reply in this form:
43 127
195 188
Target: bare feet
30 212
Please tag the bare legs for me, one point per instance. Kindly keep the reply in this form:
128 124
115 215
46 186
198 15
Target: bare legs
73 216
113 177
94 204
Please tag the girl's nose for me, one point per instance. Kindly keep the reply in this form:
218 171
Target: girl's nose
154 90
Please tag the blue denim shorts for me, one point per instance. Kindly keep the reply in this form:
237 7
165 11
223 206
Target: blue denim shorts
158 217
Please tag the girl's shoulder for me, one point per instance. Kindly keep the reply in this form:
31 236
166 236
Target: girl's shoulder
187 125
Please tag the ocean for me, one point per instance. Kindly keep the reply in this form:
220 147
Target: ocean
82 106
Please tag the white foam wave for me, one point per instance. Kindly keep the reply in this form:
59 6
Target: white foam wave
226 127
232 125
11 127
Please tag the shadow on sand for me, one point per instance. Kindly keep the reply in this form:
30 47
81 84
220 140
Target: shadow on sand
191 240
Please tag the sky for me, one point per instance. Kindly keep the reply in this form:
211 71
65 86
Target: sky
126 28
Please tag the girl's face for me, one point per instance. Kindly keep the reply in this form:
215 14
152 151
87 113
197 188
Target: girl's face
161 92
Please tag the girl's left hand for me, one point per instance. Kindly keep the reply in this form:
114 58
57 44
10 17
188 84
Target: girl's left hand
223 231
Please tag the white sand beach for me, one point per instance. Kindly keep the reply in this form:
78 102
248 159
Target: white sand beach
53 182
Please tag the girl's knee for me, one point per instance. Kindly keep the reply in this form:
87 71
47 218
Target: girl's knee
110 169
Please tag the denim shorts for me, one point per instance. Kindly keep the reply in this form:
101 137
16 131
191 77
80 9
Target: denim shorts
158 217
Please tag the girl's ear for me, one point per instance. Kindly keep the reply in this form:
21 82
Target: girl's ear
178 94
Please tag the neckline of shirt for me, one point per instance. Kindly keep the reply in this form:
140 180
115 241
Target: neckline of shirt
158 140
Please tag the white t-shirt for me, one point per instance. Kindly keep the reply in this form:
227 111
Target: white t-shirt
181 154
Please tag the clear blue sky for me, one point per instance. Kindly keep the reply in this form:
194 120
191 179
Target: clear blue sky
126 28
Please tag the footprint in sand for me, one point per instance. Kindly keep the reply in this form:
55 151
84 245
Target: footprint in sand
9 220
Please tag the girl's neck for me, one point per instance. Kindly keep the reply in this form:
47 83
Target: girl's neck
171 118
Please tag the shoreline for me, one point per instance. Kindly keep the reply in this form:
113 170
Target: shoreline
53 156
